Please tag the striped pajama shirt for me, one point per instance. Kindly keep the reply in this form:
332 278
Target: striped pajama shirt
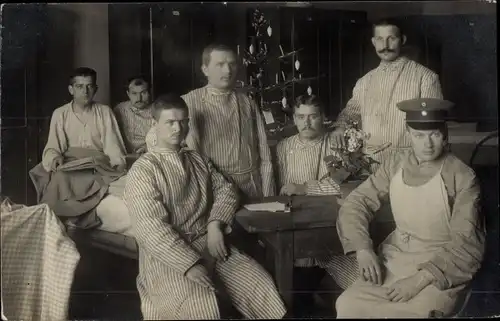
302 162
170 194
229 129
374 101
134 124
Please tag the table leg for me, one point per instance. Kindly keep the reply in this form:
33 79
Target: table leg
283 266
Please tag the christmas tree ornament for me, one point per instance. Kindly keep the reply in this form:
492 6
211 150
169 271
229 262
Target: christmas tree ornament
297 65
284 102
257 60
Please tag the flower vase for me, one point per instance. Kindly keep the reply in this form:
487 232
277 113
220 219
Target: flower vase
339 175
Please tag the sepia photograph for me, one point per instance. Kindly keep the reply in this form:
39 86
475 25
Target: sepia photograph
249 160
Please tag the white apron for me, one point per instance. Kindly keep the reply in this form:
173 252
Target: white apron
422 215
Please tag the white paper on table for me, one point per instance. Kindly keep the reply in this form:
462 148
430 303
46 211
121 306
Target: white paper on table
268 117
266 207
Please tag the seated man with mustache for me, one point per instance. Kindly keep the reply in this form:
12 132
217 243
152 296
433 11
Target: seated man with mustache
135 115
302 171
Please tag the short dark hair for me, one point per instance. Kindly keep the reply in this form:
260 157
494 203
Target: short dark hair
137 81
83 72
388 22
168 101
441 126
312 100
207 52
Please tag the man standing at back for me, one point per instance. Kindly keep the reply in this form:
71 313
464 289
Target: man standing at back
376 94
226 125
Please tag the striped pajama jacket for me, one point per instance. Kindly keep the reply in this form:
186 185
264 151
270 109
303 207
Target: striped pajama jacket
170 194
301 162
229 129
374 101
134 124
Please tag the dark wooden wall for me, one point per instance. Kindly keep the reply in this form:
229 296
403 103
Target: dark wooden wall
181 31
21 45
128 47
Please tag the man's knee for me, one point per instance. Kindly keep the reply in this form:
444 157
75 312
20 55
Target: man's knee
199 307
346 305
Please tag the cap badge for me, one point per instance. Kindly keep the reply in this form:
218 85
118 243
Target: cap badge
424 104
424 113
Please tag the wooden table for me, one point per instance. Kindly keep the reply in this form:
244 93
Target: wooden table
307 231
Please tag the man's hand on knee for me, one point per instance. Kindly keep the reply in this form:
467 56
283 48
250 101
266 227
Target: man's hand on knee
406 289
215 241
370 268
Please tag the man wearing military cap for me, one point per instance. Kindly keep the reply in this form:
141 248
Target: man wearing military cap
438 244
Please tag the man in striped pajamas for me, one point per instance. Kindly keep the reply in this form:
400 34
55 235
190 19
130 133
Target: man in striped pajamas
226 125
302 171
181 207
135 115
376 94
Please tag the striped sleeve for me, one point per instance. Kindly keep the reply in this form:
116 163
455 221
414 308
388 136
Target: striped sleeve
324 186
149 218
431 87
280 157
266 166
352 109
193 136
225 197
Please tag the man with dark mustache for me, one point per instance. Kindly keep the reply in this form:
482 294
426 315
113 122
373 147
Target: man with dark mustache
135 115
375 95
301 171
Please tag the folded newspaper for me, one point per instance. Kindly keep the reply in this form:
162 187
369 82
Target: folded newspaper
267 207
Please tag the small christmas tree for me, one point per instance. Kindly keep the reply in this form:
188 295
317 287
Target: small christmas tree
257 58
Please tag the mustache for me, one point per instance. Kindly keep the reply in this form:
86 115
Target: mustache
386 50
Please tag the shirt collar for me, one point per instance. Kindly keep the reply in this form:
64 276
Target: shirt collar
312 143
393 65
72 108
136 110
217 92
163 150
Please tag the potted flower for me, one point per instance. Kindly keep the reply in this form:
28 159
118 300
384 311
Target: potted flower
350 163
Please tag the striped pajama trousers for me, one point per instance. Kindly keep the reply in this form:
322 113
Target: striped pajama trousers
342 268
251 289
